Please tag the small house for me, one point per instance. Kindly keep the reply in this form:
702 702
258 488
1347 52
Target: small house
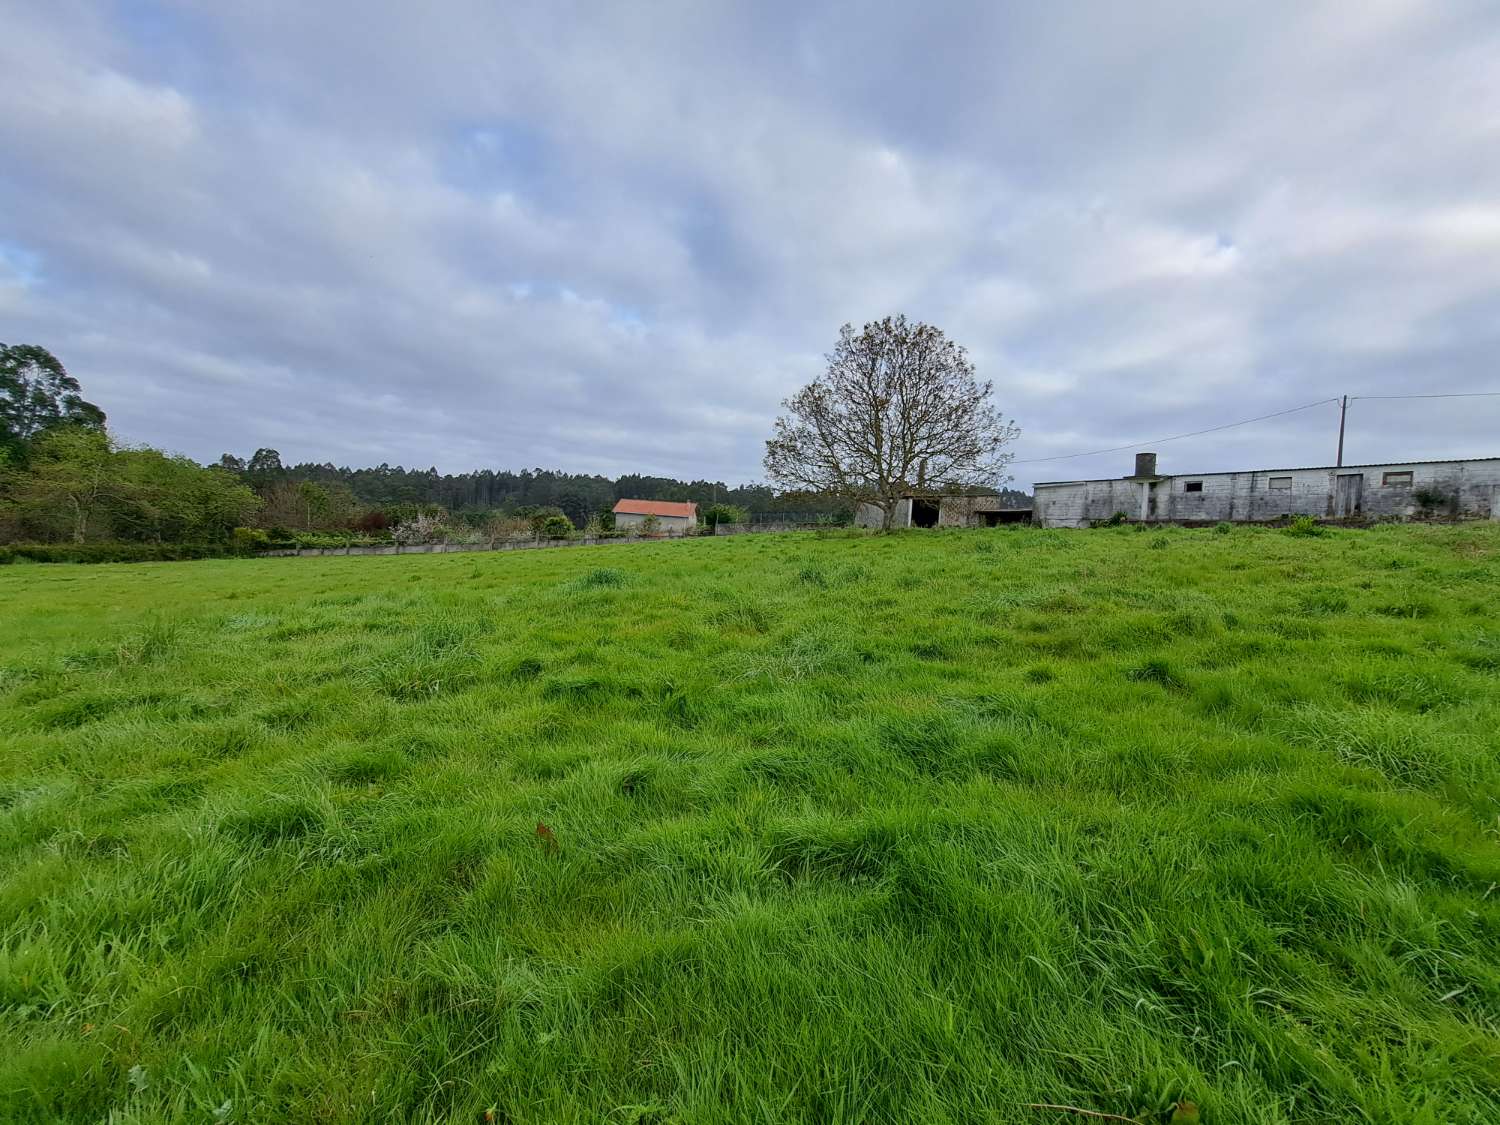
671 517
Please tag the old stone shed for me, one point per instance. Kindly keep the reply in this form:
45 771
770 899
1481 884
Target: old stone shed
1398 490
945 511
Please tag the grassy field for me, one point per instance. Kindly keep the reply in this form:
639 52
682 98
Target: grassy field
916 828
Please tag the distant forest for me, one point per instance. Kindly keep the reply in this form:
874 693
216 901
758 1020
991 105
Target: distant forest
576 495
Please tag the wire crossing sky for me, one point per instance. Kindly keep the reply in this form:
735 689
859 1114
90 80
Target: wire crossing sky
608 239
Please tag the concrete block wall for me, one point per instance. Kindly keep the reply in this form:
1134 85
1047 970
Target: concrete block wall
1474 487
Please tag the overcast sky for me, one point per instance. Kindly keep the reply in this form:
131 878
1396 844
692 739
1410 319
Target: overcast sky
611 238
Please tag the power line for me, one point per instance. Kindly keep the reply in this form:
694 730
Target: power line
1464 394
1174 437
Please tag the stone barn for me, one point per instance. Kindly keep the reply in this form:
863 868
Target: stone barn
1398 490
671 517
945 511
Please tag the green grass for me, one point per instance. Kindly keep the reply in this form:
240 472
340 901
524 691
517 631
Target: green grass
909 828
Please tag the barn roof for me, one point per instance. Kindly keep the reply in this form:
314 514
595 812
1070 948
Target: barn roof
656 508
1300 469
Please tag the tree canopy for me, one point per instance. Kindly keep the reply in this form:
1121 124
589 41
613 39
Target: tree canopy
899 412
77 485
36 395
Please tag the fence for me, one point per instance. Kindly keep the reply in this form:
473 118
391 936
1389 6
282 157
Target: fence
763 520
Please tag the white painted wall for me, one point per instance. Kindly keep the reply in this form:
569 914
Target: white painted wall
1248 497
628 521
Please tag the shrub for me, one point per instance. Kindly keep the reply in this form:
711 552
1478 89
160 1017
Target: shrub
1430 498
421 528
248 540
1223 527
113 552
1113 521
1303 526
372 521
537 516
651 525
715 514
556 527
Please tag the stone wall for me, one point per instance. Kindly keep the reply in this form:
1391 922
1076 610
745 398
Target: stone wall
448 548
868 515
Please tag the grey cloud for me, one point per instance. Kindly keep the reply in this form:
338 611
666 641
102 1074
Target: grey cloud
612 239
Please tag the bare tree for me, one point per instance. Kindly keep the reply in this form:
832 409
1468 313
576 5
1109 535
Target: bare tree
898 413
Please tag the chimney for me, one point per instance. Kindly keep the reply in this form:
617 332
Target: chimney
1145 464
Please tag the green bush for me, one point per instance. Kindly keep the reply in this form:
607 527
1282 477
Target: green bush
1431 498
1303 526
114 552
248 540
1223 527
556 527
1113 521
715 514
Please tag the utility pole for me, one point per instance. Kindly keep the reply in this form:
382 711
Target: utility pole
1343 410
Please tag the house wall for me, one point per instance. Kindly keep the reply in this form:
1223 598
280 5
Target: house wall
868 515
629 521
1248 497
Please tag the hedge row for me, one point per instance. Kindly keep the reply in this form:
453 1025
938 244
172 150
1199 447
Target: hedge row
112 552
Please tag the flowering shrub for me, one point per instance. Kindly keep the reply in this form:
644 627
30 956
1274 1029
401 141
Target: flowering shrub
421 528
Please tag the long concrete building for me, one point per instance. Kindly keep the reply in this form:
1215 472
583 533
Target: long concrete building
1399 490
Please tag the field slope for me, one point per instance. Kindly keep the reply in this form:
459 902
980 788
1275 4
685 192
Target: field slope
912 828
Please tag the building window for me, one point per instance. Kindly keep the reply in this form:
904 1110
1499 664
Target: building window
1192 486
1396 480
1280 482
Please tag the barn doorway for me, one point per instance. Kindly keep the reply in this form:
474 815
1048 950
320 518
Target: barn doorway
1348 494
1006 515
924 513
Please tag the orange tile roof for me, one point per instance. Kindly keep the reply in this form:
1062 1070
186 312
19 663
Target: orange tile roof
656 508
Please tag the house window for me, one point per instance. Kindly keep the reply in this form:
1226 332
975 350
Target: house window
1280 482
1192 486
1396 480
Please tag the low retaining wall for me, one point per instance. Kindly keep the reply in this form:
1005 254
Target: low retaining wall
764 528
447 548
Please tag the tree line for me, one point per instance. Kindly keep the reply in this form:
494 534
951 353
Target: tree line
64 479
579 496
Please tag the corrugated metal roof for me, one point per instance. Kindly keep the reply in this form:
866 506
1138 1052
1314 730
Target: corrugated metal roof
656 508
1303 469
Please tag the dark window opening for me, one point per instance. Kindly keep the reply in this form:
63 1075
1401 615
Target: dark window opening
1192 486
924 513
1013 515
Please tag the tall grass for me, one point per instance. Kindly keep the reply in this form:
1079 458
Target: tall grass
923 827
